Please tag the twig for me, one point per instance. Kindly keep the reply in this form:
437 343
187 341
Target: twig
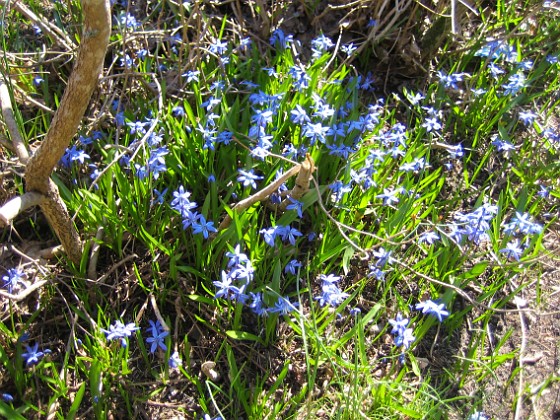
114 267
17 205
158 313
303 179
94 254
519 402
21 296
53 31
262 194
9 119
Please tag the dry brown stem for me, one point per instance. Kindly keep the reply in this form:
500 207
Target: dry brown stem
302 186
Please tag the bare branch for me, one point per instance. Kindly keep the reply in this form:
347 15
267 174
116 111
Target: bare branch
259 196
8 114
17 205
65 123
82 82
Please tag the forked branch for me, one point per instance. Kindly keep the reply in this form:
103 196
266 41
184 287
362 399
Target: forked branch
39 166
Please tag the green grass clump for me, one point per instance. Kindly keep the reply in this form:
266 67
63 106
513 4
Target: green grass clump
370 296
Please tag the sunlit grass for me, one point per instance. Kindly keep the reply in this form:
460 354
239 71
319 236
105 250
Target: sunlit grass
398 169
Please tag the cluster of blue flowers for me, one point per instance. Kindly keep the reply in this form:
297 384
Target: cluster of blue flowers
285 233
521 226
191 219
403 335
473 226
236 280
330 292
156 339
120 331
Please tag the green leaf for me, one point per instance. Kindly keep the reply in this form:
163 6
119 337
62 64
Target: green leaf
8 412
477 270
414 366
242 335
77 401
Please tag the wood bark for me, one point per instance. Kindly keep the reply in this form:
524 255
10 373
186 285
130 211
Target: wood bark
82 82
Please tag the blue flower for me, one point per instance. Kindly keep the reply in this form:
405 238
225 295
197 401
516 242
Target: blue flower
269 236
315 132
389 196
156 161
552 59
405 339
175 360
295 205
191 75
181 201
279 40
142 54
158 336
128 20
126 61
72 155
478 415
339 189
495 70
515 83
429 237
292 267
33 355
431 124
339 150
159 197
243 272
288 233
522 223
225 286
218 47
248 178
178 111
138 127
527 117
283 306
7 397
450 80
355 311
348 49
330 279
513 250
299 116
202 226
12 278
434 308
331 295
120 331
399 324
301 78
236 257
544 192
475 225
257 304
320 44
383 257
